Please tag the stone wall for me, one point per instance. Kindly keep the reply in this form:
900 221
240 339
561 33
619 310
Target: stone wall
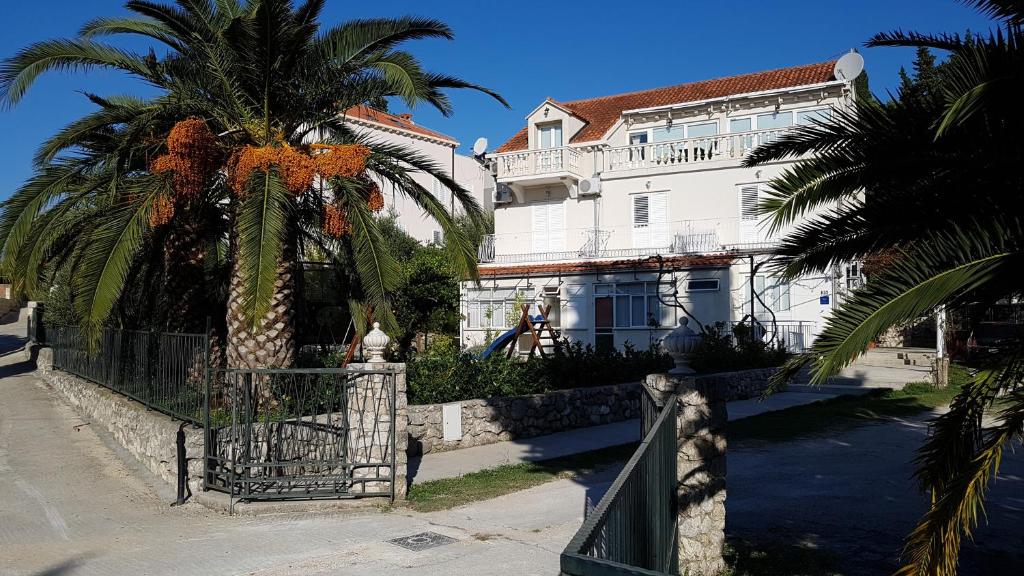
738 385
490 420
486 421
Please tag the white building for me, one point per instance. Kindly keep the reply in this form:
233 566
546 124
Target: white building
401 130
589 190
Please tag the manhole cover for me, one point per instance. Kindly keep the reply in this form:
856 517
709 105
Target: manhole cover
422 541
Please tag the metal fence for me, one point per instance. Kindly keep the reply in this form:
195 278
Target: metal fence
164 371
632 530
301 434
792 335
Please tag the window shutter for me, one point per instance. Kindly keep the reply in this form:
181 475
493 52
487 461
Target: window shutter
641 221
556 227
540 228
748 213
658 218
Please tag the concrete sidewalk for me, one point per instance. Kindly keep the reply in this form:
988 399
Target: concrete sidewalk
459 462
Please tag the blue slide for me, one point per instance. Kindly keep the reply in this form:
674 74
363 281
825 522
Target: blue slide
503 340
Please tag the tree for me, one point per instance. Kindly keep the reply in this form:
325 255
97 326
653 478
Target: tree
217 172
937 180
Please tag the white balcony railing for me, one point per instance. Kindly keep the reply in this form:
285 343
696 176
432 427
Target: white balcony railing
710 236
538 162
688 151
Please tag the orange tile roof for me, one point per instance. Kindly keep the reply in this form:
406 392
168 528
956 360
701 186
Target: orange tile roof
592 266
402 122
600 114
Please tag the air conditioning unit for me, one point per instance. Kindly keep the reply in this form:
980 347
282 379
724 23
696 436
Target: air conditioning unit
503 194
590 186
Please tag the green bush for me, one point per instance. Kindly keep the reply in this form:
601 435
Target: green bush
725 350
443 373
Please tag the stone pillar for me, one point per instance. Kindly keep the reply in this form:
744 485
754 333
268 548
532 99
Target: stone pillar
369 436
700 429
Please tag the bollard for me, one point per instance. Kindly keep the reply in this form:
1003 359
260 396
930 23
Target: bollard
182 466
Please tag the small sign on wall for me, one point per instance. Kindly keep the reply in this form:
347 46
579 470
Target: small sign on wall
451 421
823 299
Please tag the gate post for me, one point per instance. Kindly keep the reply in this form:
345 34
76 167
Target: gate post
700 471
378 430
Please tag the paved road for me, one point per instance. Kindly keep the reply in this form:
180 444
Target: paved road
70 505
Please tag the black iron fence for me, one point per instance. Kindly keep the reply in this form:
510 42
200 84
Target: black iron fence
632 530
301 433
164 371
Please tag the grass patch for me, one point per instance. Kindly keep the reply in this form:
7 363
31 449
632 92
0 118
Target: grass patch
486 484
845 412
745 558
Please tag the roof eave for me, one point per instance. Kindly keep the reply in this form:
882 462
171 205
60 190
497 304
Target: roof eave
789 90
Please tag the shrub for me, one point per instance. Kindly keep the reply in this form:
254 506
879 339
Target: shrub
443 373
725 350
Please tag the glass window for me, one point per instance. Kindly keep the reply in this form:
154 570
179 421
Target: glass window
550 135
702 129
774 120
703 285
637 138
808 116
666 133
741 125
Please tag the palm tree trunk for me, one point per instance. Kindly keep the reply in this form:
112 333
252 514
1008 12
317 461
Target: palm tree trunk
185 300
272 344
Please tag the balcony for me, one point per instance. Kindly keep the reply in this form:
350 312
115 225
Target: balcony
540 166
688 237
691 152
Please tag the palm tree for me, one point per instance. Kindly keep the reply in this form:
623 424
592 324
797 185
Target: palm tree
217 173
936 182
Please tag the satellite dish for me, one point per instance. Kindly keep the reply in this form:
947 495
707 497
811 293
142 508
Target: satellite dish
849 66
480 146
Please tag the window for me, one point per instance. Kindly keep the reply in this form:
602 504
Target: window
809 116
670 132
628 305
702 285
701 129
637 138
774 293
491 308
442 193
752 229
548 227
650 220
438 238
549 135
741 125
774 120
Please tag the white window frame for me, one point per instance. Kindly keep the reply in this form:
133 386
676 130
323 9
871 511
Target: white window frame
541 128
794 111
614 293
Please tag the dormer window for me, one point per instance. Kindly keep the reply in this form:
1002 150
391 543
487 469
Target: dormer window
549 135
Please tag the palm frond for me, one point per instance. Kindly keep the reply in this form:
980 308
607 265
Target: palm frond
18 73
262 225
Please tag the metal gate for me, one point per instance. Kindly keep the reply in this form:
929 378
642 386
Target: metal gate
300 433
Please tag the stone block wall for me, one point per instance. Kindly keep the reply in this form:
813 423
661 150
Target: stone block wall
369 438
700 469
490 420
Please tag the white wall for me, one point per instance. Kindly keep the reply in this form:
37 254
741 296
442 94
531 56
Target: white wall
468 172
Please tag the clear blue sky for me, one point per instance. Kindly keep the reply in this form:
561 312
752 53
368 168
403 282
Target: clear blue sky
527 50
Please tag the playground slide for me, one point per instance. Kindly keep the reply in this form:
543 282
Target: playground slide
502 341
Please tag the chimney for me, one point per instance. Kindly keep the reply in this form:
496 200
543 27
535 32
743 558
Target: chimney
407 117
